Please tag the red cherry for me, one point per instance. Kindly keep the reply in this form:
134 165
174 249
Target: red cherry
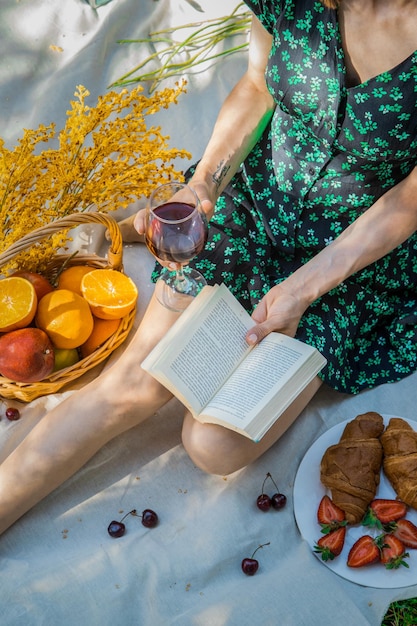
263 502
12 414
278 501
116 529
149 518
250 565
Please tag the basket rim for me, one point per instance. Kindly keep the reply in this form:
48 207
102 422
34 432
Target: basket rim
115 249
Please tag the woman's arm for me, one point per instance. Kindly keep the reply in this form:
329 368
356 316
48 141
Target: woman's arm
241 121
383 227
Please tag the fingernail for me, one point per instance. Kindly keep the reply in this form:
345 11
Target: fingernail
252 339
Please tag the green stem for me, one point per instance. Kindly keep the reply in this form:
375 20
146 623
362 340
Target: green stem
197 47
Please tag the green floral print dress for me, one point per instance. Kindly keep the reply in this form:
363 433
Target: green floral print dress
329 152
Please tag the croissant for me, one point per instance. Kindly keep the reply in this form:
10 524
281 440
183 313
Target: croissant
399 443
351 468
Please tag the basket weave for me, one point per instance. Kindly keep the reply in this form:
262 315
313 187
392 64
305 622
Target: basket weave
55 381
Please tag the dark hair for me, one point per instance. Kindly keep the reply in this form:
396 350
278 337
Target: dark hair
331 4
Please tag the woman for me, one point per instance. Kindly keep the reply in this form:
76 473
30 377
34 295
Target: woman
317 232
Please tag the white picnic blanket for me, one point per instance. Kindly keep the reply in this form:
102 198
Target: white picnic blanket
58 564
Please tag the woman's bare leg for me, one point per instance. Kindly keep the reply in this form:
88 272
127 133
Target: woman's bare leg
217 450
69 435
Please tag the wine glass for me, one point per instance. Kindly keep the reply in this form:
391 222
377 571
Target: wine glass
176 230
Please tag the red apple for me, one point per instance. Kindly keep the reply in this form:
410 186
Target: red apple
41 285
26 355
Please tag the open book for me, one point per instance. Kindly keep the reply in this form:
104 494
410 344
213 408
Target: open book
205 361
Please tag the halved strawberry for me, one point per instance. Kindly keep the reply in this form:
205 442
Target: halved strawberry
331 544
406 532
363 552
329 515
383 511
393 552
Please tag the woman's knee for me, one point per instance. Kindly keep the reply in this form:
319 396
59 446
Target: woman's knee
218 450
214 449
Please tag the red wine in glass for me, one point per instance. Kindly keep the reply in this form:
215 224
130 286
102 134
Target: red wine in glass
176 230
178 234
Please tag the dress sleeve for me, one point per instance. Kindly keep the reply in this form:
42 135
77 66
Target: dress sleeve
266 11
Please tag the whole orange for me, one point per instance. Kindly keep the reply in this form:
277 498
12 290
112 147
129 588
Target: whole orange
103 329
65 317
71 277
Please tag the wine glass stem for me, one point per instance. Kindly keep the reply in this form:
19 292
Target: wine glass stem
181 281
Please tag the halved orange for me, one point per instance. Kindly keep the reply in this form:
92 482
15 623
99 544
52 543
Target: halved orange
110 294
18 303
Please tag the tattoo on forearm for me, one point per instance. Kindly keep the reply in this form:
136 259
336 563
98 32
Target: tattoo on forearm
220 173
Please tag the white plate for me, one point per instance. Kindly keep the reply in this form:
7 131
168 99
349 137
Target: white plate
309 490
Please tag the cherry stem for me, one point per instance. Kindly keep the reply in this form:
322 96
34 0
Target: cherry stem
259 547
132 512
269 475
265 479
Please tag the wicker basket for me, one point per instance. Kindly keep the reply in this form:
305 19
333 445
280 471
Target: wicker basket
53 383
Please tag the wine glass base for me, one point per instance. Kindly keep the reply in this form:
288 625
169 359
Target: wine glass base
175 294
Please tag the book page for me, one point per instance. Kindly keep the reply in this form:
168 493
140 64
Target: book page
256 381
196 358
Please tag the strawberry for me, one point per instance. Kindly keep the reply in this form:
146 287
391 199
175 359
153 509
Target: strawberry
383 511
406 532
363 552
331 544
329 515
393 552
